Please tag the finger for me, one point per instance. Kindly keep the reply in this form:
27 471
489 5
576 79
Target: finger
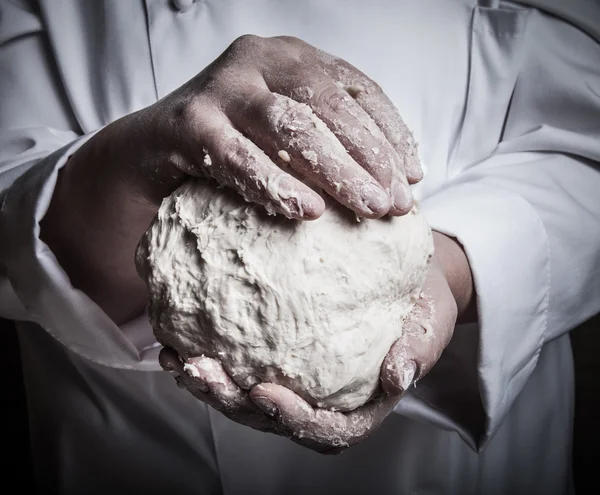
234 161
169 361
351 125
225 395
379 107
290 131
319 429
427 332
206 379
174 365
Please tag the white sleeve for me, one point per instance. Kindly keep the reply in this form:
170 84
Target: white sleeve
528 217
38 132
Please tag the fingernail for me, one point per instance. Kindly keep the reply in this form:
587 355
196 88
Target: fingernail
413 167
375 199
266 405
403 198
407 374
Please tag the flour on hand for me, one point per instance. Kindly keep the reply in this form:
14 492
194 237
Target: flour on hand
314 306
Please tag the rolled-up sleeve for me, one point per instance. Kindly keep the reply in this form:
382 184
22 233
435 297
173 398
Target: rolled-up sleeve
528 217
530 226
38 133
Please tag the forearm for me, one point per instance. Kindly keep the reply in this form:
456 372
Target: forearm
93 225
455 266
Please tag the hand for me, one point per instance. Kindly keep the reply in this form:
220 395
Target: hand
271 104
266 113
276 409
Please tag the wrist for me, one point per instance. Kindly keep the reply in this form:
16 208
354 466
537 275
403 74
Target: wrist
136 154
455 266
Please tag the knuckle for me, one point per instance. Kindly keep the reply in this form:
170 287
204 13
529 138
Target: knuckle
292 40
256 105
332 97
190 111
247 42
360 84
290 116
300 49
233 155
373 87
186 117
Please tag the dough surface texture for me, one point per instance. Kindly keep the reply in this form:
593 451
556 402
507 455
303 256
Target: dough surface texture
314 306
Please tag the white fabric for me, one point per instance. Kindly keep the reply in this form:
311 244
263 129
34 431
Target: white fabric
510 140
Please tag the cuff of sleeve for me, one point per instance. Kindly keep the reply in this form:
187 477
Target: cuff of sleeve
43 288
484 368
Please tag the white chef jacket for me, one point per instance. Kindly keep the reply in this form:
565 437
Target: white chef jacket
505 102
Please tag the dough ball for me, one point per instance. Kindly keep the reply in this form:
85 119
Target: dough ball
313 306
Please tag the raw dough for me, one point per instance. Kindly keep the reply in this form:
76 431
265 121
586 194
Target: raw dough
314 306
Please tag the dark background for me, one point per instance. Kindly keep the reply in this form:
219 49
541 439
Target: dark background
17 467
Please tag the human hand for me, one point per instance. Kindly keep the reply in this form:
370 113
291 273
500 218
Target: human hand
276 409
266 111
246 121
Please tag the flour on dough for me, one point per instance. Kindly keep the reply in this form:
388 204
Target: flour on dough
313 306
